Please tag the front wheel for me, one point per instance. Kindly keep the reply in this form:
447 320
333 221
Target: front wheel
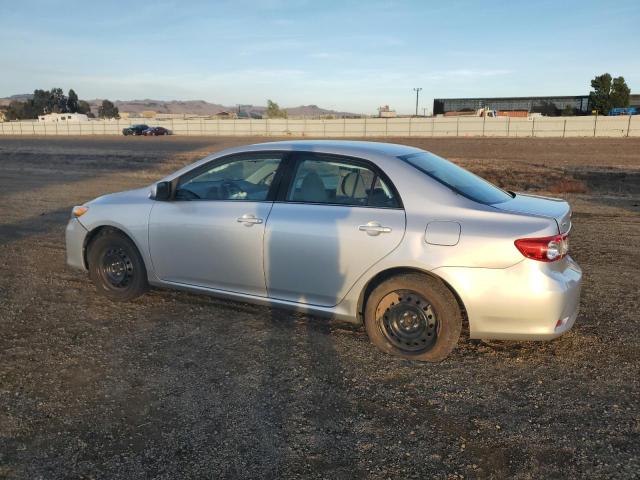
116 267
413 316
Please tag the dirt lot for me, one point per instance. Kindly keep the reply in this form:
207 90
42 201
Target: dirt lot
176 385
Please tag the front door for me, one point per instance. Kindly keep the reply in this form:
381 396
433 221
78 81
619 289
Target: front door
339 218
211 234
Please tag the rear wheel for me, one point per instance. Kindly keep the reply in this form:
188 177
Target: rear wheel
116 267
413 316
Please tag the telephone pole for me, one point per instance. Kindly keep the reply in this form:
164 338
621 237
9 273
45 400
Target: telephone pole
417 90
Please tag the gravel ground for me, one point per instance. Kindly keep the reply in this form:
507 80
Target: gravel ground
175 385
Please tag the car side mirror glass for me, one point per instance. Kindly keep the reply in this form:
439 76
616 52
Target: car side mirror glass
161 191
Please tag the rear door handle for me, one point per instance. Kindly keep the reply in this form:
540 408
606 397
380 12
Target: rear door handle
248 219
374 228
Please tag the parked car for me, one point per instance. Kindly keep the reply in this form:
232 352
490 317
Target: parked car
392 236
135 129
155 131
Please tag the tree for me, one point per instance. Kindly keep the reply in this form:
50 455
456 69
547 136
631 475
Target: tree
83 107
108 110
58 101
608 93
72 101
17 111
41 102
620 93
273 110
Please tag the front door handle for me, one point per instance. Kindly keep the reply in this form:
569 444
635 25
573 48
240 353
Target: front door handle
374 228
248 219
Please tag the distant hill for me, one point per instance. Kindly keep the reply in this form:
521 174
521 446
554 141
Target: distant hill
196 107
23 97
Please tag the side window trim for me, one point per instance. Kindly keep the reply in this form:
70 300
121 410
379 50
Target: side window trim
296 159
232 157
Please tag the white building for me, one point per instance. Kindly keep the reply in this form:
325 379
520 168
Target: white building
63 117
386 112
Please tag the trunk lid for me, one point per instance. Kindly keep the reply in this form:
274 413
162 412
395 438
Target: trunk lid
548 207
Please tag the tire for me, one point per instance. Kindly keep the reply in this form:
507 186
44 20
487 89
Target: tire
413 316
116 267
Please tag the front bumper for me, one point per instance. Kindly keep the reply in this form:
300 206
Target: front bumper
75 235
528 301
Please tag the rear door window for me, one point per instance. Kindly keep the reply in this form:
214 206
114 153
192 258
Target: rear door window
332 180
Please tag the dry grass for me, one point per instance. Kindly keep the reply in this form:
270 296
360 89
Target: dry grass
569 185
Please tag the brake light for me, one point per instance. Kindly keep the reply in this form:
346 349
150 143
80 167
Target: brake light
544 249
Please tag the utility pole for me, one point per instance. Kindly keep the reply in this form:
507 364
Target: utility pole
417 90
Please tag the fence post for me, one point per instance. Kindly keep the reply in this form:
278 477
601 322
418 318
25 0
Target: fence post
508 126
595 125
457 126
533 127
629 125
344 127
432 125
365 126
484 120
564 128
324 128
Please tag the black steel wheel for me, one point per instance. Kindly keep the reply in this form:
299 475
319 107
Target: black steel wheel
116 267
407 320
413 316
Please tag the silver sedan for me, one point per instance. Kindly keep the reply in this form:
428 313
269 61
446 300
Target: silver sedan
392 236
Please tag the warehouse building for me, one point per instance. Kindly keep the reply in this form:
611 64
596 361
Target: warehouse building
551 105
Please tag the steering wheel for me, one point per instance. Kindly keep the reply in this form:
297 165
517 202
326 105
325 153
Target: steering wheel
229 188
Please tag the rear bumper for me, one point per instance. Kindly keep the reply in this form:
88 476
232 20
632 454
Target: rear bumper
74 239
528 301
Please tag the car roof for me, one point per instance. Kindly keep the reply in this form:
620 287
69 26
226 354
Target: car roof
353 148
345 147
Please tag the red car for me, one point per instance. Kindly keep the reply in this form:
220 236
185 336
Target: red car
155 131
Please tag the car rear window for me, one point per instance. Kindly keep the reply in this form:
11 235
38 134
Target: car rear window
457 178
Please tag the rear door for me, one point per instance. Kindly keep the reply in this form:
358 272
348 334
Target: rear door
335 218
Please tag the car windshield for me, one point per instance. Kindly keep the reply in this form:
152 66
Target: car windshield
457 178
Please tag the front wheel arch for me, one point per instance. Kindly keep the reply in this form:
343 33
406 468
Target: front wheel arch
93 234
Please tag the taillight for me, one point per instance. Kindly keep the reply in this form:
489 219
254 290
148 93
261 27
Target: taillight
544 249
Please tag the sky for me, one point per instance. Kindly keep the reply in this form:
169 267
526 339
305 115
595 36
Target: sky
344 55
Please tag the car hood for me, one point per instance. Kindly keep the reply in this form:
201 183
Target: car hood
127 196
540 206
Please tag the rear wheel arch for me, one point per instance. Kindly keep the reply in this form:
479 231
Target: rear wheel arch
384 275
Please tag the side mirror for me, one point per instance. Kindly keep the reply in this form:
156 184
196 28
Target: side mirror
161 191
